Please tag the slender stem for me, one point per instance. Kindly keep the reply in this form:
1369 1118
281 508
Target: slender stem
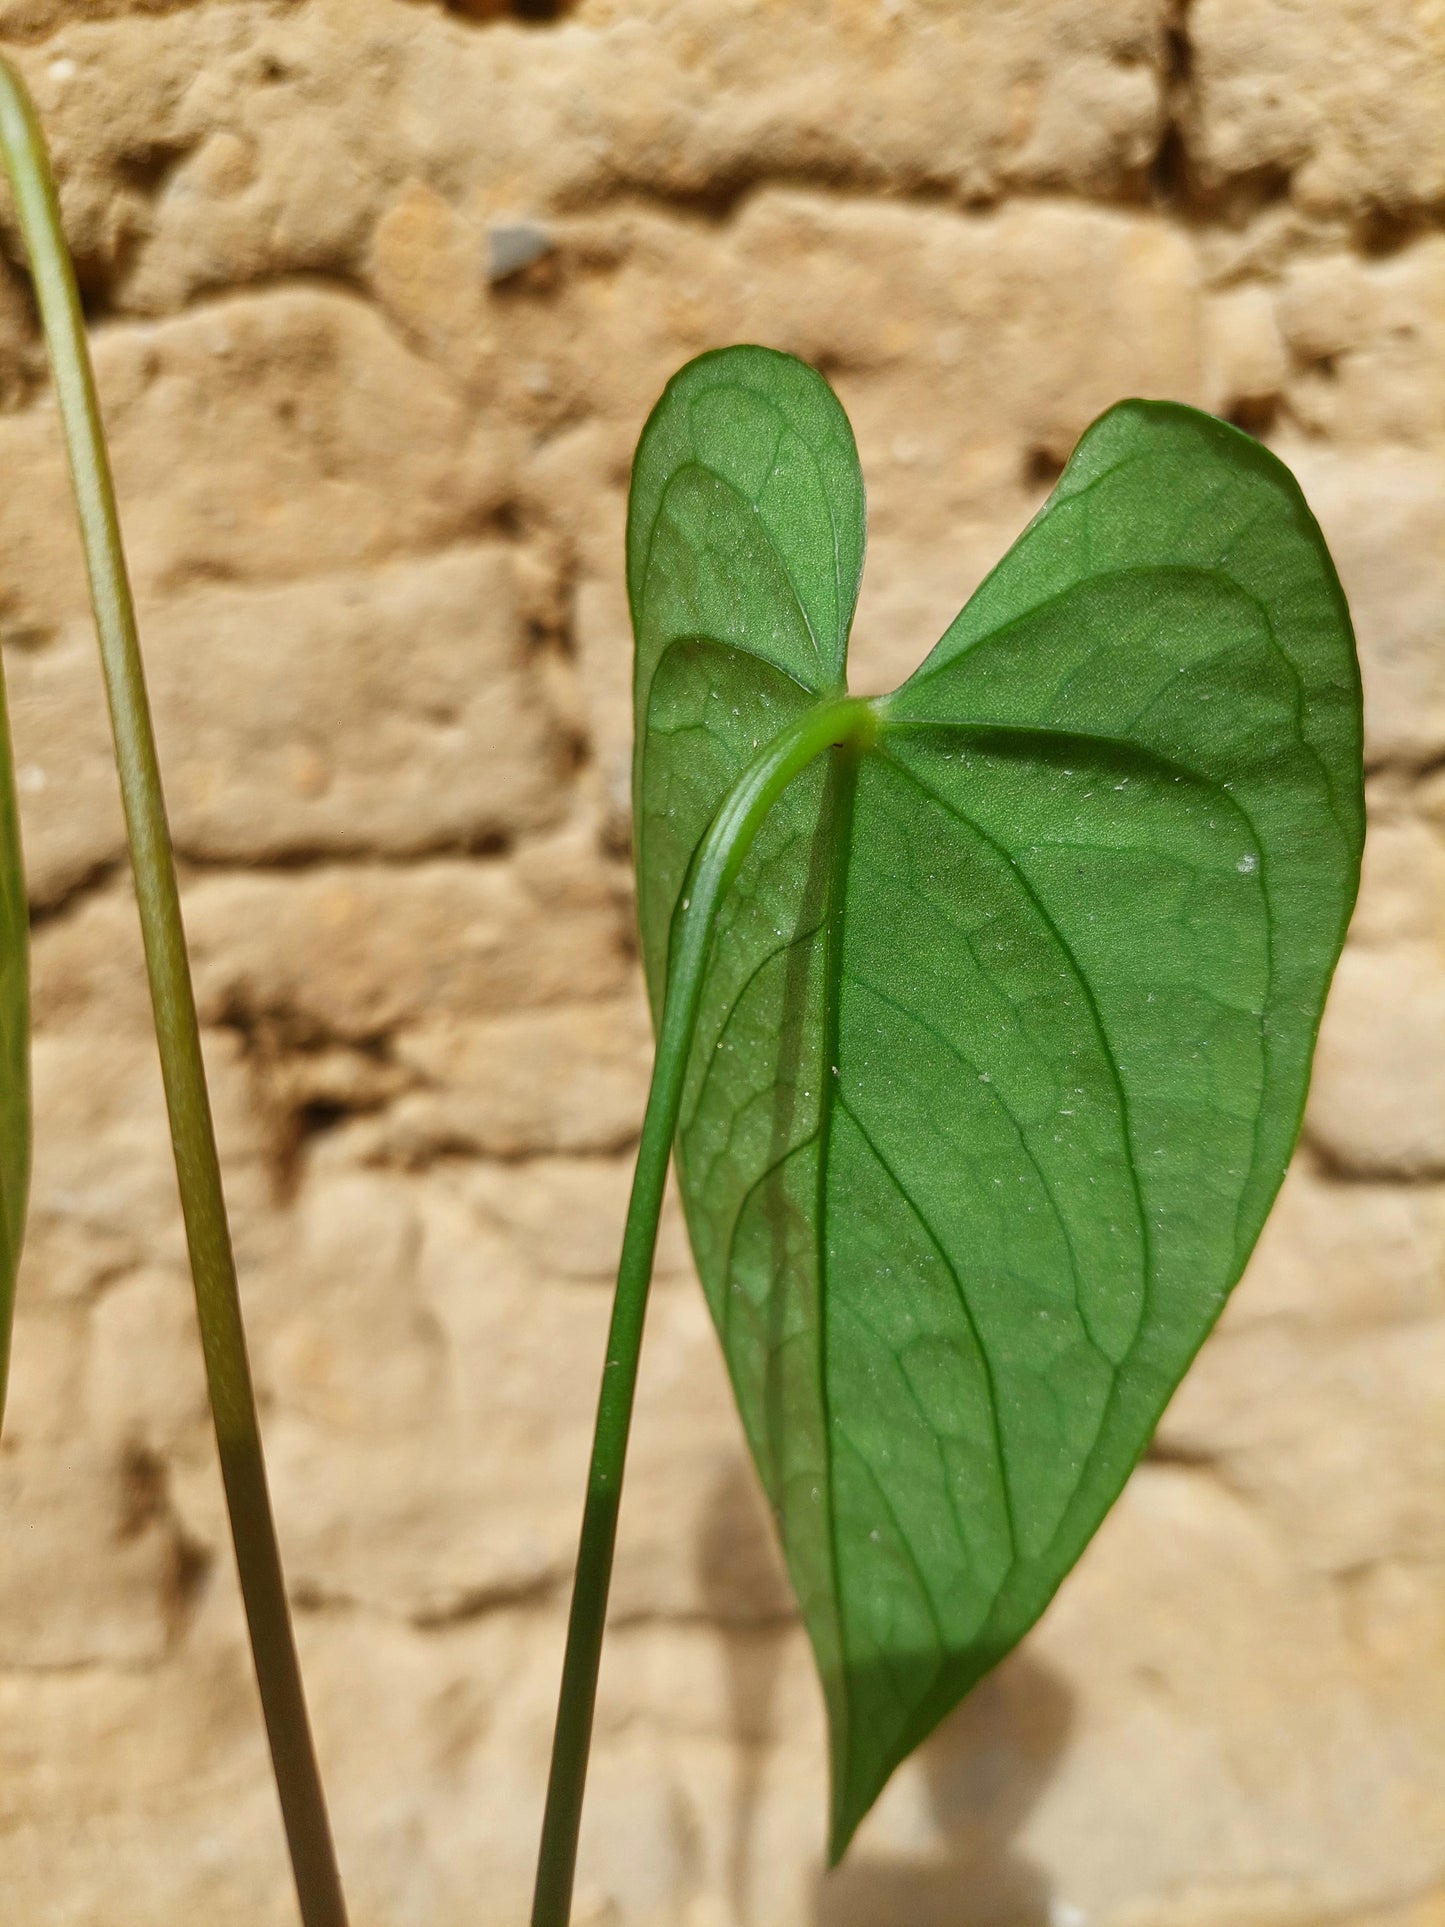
718 860
213 1265
14 1044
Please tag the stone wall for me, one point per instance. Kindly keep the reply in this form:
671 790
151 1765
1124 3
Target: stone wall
381 293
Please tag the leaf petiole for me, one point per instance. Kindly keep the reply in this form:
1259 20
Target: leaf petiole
835 723
213 1266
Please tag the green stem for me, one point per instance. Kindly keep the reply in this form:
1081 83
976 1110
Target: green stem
14 1044
719 858
213 1265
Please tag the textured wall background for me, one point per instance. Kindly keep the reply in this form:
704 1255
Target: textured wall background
373 475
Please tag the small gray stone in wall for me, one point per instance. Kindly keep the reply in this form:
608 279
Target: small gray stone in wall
514 246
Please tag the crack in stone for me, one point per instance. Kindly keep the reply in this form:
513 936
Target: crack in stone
467 1606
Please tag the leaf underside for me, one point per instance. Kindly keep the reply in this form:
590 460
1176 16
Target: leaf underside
1006 1032
14 1046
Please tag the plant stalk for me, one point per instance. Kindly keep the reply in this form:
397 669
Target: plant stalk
719 857
213 1265
14 1044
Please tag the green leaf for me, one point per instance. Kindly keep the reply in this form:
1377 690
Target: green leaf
1007 1027
14 1046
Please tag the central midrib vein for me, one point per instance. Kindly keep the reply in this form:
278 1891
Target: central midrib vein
843 781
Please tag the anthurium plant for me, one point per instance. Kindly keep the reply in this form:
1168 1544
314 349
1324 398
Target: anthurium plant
984 1010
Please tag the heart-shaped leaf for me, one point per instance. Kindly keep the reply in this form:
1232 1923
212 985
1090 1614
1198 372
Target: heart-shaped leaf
1007 1024
14 1047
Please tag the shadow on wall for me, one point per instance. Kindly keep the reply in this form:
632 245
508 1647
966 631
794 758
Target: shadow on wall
742 1583
984 1768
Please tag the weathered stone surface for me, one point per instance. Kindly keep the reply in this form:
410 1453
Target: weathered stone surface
1402 889
1383 514
1333 1438
571 1079
311 434
103 1195
1179 1712
25 18
1172 1714
351 952
1339 1257
358 951
1343 101
173 1774
567 1215
1366 340
374 492
110 1608
413 1356
653 98
394 713
1377 1103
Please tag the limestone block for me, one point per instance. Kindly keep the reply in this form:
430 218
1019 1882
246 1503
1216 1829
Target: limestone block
116 1604
184 1743
71 825
129 102
1367 340
87 966
351 952
424 1520
658 98
392 712
1383 515
22 357
103 1195
358 951
311 435
1260 1755
431 1741
570 1079
603 631
1344 1257
344 1341
440 1743
144 1385
1246 357
49 1359
464 1712
1402 885
425 265
1347 101
430 1394
1377 1101
566 1215
1426 1911
1339 1439
819 275
671 1853
1179 1712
